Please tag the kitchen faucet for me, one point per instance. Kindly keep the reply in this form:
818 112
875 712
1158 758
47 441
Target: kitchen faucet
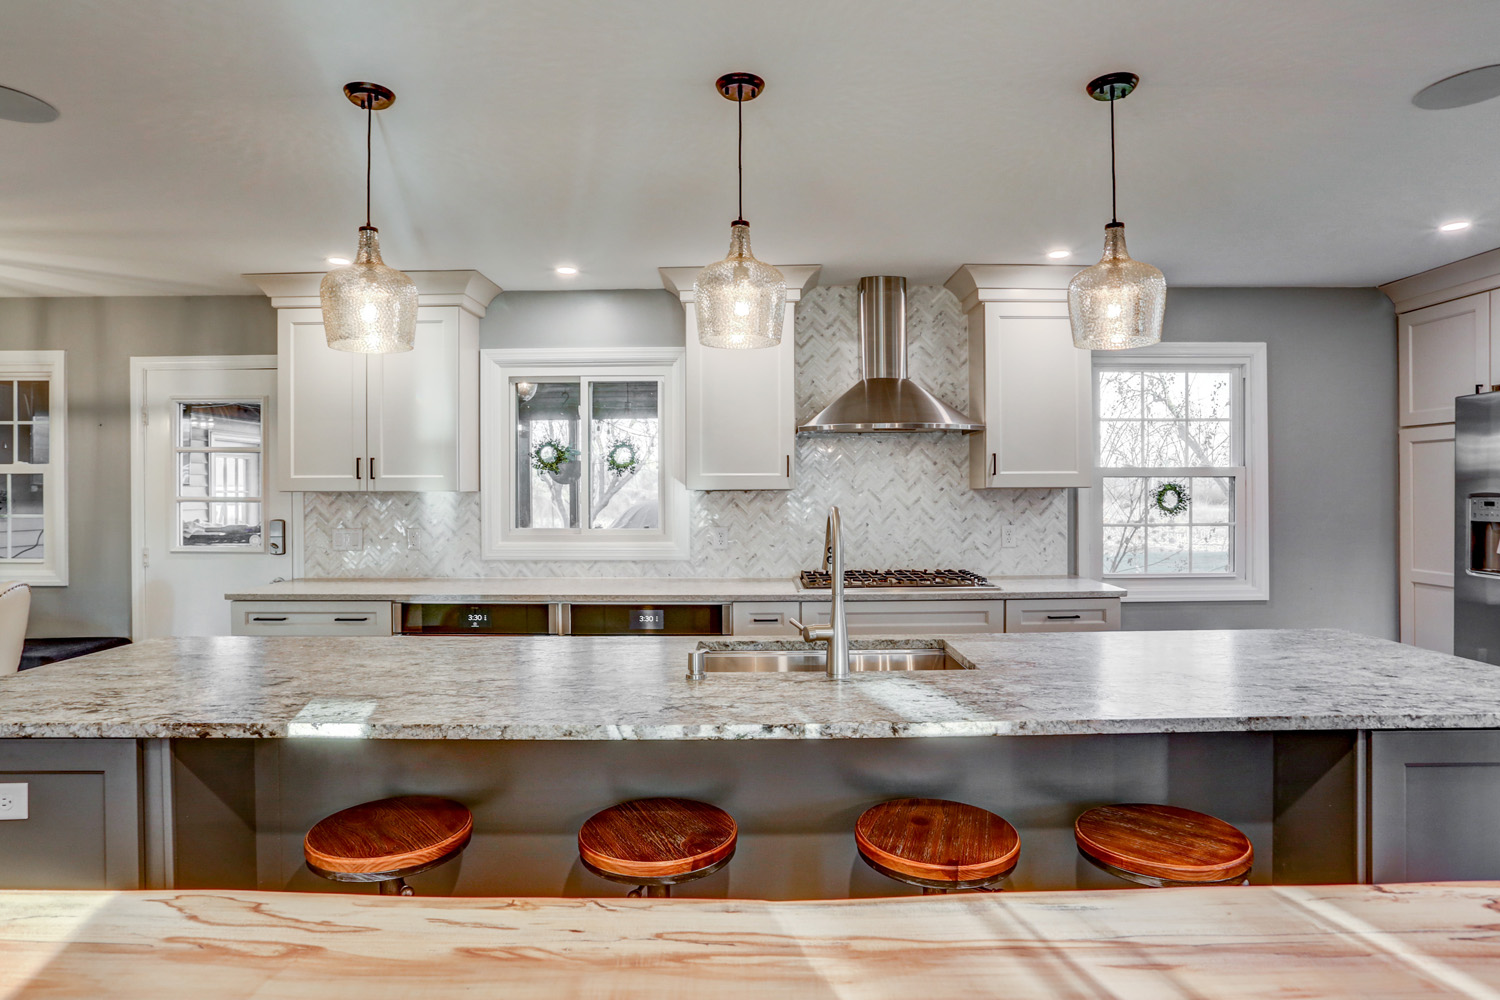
836 633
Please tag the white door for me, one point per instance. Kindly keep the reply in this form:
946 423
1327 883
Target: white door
212 512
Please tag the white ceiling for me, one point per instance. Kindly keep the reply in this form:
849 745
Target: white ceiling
1271 143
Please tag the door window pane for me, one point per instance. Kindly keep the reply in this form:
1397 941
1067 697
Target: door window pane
218 473
548 454
218 425
212 522
624 438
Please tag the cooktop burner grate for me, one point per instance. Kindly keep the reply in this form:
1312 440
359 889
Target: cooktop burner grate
816 579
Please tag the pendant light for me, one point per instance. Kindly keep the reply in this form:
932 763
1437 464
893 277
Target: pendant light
740 300
1118 302
369 308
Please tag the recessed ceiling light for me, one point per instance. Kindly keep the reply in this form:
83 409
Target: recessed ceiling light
1456 226
338 261
567 270
1059 254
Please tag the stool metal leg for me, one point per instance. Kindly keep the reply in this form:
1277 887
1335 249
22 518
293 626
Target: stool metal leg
396 887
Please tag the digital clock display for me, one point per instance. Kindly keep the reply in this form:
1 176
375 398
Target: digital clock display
476 618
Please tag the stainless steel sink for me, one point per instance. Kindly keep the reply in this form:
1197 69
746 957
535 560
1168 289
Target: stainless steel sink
785 661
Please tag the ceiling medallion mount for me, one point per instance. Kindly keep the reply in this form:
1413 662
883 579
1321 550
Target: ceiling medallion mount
740 86
1113 86
370 96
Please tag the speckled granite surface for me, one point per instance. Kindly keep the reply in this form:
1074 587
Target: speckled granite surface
637 589
623 688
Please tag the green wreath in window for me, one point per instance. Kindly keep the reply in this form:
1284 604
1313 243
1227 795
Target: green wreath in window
1172 499
621 458
551 455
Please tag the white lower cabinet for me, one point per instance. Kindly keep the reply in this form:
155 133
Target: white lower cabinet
770 618
310 618
912 617
1427 536
1102 615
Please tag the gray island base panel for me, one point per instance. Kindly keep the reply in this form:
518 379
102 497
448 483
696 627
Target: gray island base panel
634 688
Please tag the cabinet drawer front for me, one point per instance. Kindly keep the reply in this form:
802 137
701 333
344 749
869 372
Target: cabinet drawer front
764 619
311 618
913 617
1101 615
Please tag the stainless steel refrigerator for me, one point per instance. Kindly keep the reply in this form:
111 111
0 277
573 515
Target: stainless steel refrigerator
1476 556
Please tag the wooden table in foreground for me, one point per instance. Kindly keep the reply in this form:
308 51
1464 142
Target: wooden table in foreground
1411 940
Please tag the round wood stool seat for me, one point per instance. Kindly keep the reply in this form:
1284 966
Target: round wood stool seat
387 840
657 843
937 844
1164 845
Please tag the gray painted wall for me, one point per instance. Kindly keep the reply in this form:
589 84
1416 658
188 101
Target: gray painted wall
100 336
616 318
1331 354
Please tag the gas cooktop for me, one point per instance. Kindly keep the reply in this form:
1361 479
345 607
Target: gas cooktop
913 579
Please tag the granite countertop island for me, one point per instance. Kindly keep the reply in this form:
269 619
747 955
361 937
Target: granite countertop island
633 589
634 688
1313 942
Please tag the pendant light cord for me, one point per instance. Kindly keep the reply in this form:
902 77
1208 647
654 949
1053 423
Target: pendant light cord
739 159
369 130
1114 207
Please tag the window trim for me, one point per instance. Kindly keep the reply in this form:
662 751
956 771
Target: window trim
1251 580
52 570
501 541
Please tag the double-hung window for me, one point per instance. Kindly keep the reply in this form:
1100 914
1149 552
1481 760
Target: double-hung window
33 465
1179 506
583 454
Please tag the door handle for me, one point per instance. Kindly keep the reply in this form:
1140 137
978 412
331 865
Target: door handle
357 461
276 540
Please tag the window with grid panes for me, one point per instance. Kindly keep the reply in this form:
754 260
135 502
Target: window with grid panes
33 512
1179 417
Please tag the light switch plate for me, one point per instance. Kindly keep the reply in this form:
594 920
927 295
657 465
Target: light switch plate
14 801
348 539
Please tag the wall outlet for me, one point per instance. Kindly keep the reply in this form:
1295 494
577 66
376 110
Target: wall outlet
348 539
414 540
718 538
13 801
1008 536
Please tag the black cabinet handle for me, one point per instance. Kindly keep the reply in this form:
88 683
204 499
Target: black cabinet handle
372 466
262 618
1053 618
773 620
356 468
789 467
364 619
994 463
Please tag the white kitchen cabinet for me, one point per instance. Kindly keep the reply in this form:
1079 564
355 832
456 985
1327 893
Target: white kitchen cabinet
765 618
740 406
1028 383
1063 615
381 422
1427 536
310 618
1445 351
911 617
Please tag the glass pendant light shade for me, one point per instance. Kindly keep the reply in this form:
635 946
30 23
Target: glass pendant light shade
369 308
1119 302
739 300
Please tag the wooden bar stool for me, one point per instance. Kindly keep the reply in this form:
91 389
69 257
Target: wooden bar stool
1164 845
936 844
388 840
654 844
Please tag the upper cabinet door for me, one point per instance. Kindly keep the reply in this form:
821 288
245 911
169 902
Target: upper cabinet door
1444 353
1034 391
423 408
321 427
741 413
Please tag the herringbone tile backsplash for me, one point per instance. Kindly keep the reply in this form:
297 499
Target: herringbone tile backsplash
905 498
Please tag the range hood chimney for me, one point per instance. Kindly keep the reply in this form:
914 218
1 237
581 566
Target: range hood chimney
884 399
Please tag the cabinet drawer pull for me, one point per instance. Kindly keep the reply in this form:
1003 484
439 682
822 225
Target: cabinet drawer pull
772 620
994 463
263 618
356 468
363 619
1055 618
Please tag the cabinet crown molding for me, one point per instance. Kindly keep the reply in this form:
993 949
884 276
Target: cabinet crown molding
976 283
469 290
1479 273
800 279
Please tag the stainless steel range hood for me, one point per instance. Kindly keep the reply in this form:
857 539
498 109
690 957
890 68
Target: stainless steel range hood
884 399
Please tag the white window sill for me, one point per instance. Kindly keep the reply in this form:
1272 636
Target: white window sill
1160 591
32 575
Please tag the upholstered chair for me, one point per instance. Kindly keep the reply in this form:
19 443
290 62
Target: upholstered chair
15 608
